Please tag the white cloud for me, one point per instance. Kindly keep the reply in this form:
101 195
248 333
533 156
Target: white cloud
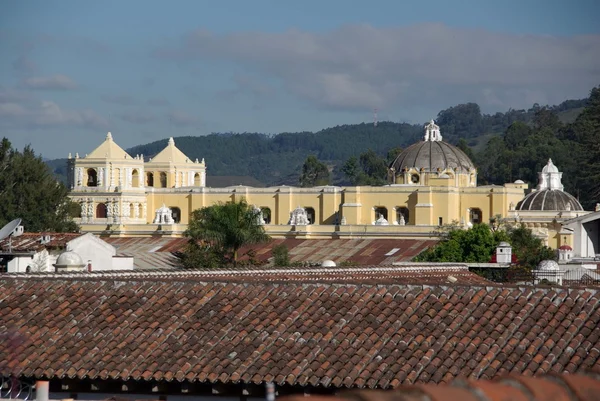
361 67
47 114
55 82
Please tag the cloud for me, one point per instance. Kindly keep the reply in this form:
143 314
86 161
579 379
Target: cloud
158 101
24 65
358 67
137 117
18 110
123 100
55 82
182 119
249 85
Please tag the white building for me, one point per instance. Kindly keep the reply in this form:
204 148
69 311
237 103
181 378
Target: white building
34 252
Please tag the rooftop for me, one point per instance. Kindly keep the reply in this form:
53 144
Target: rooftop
302 334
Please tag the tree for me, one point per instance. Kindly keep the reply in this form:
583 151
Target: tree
29 191
368 169
314 173
528 249
217 232
281 255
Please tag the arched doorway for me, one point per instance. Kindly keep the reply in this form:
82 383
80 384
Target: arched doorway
135 178
475 215
197 179
92 177
163 179
101 211
176 214
402 212
149 179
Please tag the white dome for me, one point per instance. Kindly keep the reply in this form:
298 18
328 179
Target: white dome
548 265
69 259
549 168
328 263
519 182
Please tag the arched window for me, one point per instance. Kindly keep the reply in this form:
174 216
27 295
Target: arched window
310 214
266 214
131 210
92 177
414 178
402 212
381 211
135 178
176 214
163 179
197 182
149 179
475 215
101 211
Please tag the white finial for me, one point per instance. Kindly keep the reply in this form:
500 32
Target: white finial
432 132
109 137
203 160
171 141
77 155
70 155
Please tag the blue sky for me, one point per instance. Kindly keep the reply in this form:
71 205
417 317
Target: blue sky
147 70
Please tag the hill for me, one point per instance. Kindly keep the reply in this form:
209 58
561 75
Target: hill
277 159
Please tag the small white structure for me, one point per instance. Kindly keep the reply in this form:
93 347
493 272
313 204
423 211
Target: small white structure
299 217
260 220
328 263
69 261
381 221
164 215
565 254
586 235
432 132
548 270
34 252
503 253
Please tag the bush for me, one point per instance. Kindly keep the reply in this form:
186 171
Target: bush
281 256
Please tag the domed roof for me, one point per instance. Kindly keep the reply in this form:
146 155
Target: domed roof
328 263
431 156
69 259
549 199
550 168
565 248
548 265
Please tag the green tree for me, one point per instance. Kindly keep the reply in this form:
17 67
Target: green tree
223 229
314 172
281 256
367 169
475 245
528 249
28 190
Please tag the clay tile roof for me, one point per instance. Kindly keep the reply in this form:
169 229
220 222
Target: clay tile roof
302 334
579 387
31 242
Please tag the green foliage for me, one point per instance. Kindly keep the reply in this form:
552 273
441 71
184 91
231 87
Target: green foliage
349 263
29 191
368 169
197 255
476 245
314 173
220 230
528 249
281 256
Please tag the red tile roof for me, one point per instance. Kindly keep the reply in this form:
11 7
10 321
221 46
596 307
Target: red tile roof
31 242
402 274
306 334
578 387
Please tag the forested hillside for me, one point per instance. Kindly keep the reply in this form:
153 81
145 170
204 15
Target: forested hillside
531 137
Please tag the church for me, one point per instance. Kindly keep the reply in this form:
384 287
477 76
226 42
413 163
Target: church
430 184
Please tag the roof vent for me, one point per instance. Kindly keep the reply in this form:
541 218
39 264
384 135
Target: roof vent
452 279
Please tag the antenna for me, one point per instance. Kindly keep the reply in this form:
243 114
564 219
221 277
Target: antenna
9 229
12 229
374 117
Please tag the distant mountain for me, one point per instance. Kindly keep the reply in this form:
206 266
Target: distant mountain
278 159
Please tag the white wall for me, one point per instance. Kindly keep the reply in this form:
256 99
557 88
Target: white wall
94 249
122 263
18 264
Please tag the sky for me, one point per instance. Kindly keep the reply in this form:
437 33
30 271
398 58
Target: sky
72 70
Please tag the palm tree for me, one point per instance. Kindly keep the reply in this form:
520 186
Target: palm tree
227 227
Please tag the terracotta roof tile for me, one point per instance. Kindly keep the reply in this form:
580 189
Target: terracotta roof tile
297 333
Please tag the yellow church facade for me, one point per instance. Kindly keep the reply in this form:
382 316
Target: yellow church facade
431 183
